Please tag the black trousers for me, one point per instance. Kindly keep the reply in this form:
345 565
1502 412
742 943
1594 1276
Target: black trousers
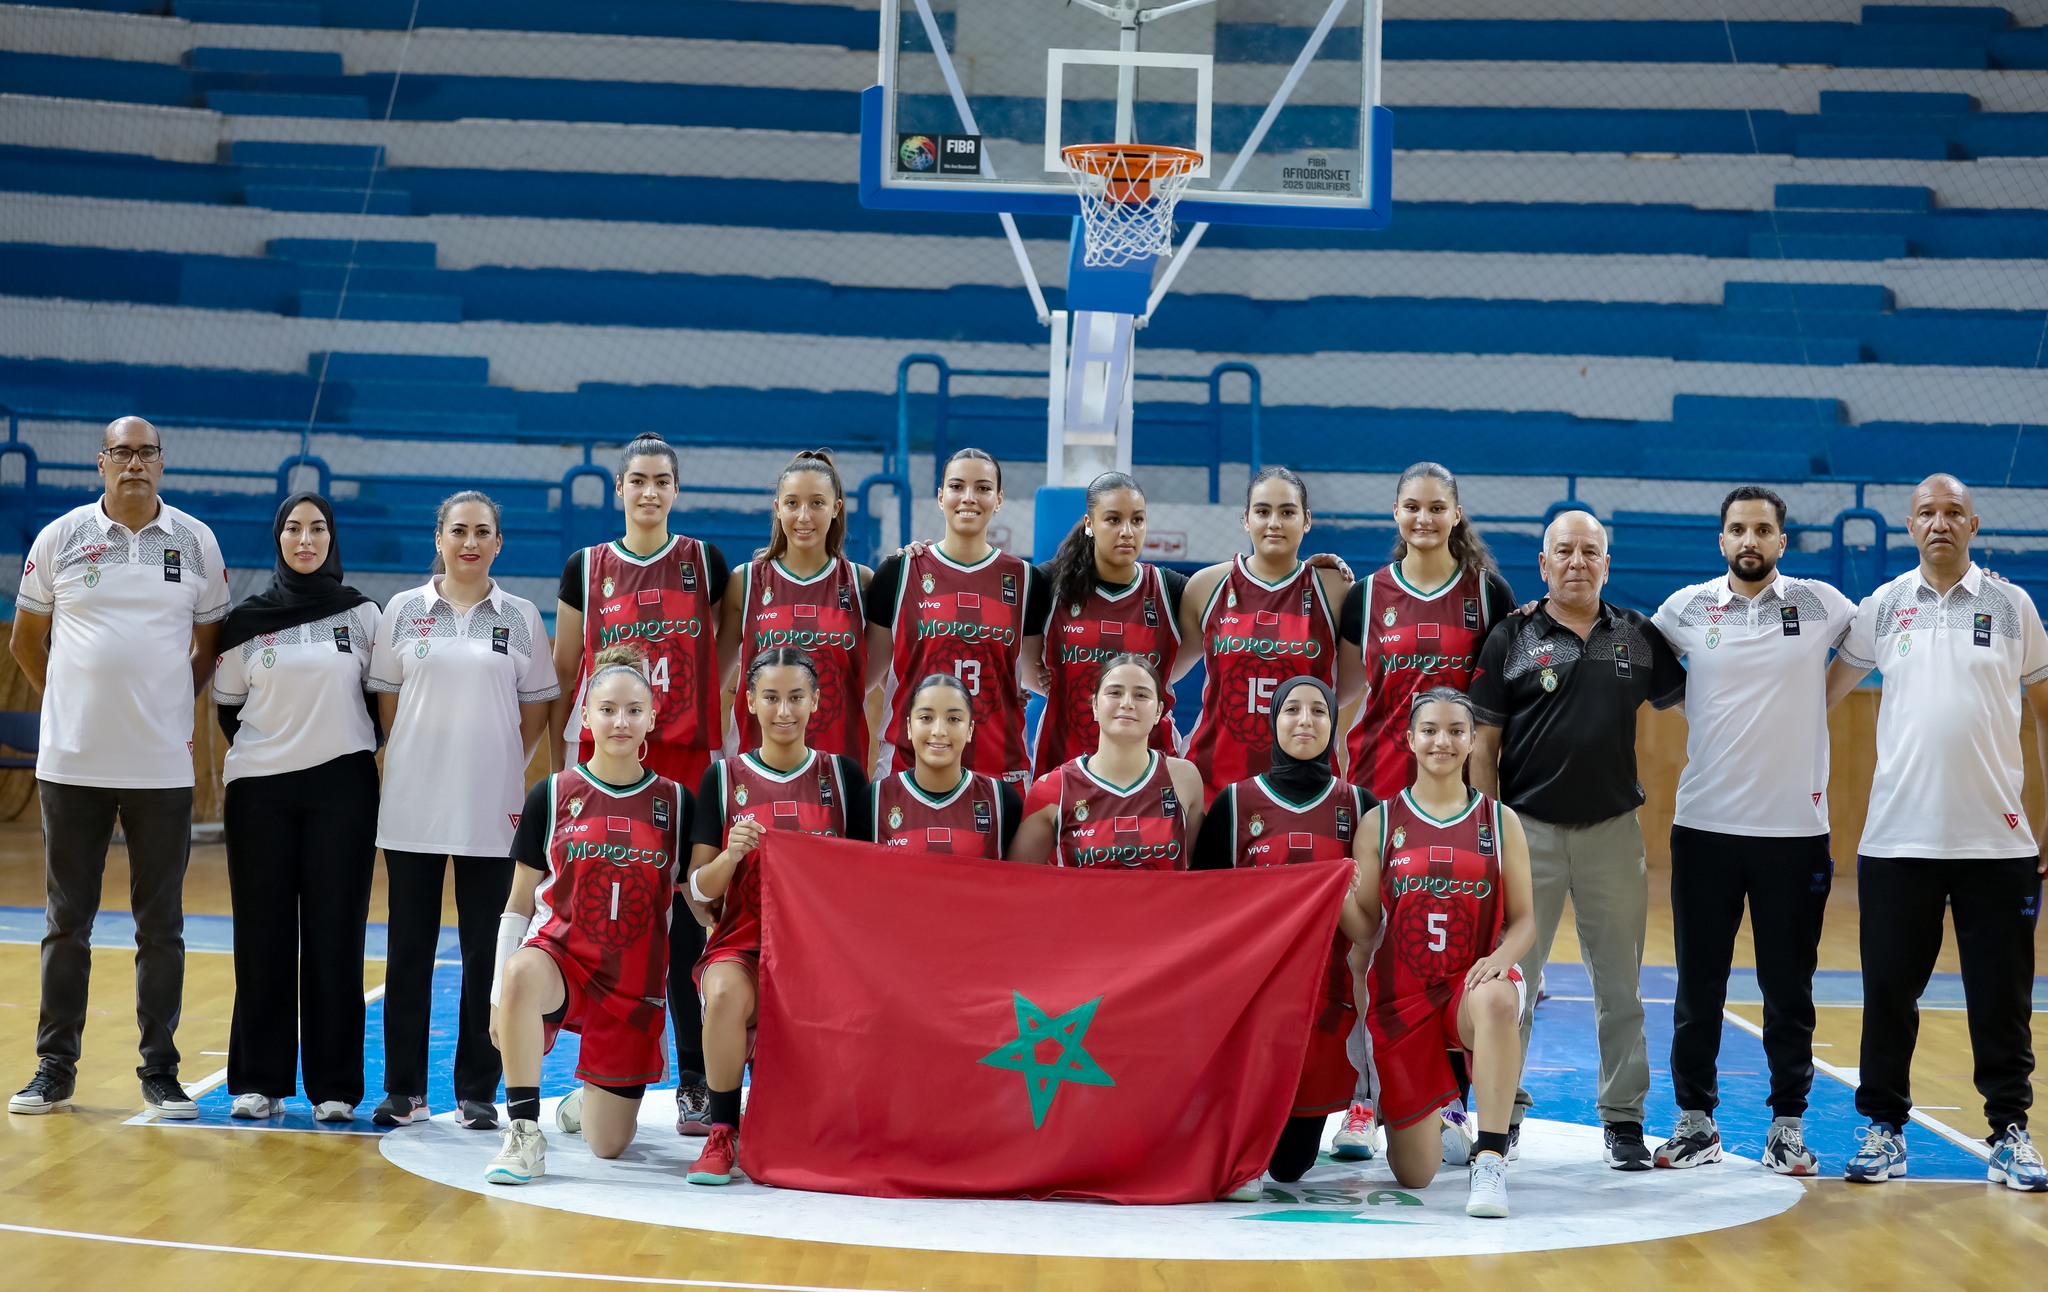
301 850
1301 1141
481 886
78 825
1996 903
685 1011
1785 883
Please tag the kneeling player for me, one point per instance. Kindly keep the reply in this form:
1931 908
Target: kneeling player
783 785
1447 870
598 847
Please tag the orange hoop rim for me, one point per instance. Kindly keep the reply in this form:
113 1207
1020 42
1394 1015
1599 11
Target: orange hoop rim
1131 162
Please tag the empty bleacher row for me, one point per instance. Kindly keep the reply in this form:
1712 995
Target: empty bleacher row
1584 269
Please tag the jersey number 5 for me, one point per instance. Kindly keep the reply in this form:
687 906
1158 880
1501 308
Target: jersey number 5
1438 935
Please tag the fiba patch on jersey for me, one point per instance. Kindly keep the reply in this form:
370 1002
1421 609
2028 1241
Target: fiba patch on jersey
1486 841
341 640
1343 825
984 816
1009 589
1471 614
501 640
1980 630
1151 613
688 570
1621 664
174 567
1788 619
825 789
1169 802
661 814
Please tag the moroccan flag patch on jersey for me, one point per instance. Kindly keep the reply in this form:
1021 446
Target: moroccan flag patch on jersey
1106 1055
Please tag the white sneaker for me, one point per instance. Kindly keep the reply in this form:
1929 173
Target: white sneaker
1459 1136
256 1108
1250 1191
1489 1196
569 1113
334 1110
1358 1140
523 1158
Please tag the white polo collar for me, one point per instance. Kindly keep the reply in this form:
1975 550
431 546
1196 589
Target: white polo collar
491 598
160 522
1725 589
1972 581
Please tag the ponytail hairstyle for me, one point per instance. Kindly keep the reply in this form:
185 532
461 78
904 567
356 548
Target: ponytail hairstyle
820 461
649 444
1276 473
1441 695
619 658
1115 662
450 503
781 657
1073 565
976 455
1467 548
943 681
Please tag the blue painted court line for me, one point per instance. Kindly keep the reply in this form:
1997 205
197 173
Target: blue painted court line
115 930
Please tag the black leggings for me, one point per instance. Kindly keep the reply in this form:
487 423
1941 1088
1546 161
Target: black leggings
1300 1141
481 886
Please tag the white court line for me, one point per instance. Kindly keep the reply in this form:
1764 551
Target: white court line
437 1266
1941 1128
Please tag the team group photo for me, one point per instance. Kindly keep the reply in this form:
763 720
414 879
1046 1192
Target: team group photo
939 643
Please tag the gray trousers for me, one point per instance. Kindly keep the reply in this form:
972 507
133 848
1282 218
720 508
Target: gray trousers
1602 868
78 825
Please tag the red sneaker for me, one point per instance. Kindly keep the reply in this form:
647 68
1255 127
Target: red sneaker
715 1164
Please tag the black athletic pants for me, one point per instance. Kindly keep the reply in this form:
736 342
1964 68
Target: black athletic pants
78 825
1301 1140
1996 903
685 1012
301 850
481 886
1785 883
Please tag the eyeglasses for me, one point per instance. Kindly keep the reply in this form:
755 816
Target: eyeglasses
124 455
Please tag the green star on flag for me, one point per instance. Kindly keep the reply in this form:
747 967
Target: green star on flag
1037 1031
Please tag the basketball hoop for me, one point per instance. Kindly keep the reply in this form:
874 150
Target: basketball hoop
1128 192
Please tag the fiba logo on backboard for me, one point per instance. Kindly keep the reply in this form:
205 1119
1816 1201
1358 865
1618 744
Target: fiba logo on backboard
917 153
947 154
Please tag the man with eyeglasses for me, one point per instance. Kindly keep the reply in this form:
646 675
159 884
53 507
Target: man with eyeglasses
119 605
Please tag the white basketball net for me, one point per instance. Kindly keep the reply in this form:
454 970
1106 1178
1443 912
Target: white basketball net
1117 230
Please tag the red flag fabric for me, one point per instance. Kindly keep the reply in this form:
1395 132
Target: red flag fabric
936 1026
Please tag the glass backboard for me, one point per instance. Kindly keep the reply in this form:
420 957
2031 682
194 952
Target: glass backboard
977 97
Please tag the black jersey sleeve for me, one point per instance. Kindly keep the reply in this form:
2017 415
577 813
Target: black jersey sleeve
1667 675
1176 585
1219 832
707 818
859 803
716 573
1351 615
530 839
1500 598
1037 602
1488 689
571 591
1012 807
882 591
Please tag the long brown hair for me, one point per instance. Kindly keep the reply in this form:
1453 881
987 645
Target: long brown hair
820 461
1467 548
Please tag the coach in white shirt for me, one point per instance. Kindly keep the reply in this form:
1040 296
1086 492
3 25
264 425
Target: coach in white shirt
115 621
1752 820
1947 827
464 674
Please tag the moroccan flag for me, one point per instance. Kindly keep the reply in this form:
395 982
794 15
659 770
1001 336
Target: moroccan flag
937 1026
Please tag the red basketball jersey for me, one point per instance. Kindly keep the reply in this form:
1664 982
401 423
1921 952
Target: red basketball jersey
1411 641
1137 620
967 621
1440 894
1140 827
661 604
808 800
1255 635
603 907
822 616
966 823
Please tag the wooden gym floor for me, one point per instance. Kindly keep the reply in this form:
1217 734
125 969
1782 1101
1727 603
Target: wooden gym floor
87 1201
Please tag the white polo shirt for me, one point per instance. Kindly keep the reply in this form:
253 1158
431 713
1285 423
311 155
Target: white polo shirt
454 767
1756 707
301 692
1949 767
117 707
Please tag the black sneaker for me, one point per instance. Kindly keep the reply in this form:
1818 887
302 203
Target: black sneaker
162 1095
48 1091
1623 1147
693 1106
399 1110
1695 1140
474 1114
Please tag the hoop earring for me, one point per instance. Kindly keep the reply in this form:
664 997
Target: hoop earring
641 755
